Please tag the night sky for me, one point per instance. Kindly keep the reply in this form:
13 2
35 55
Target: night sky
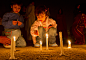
68 7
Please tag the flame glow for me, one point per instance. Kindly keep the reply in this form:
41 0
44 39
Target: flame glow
69 44
40 42
14 38
46 35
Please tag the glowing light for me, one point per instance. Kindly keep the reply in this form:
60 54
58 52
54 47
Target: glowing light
40 42
46 35
14 43
14 38
40 45
69 44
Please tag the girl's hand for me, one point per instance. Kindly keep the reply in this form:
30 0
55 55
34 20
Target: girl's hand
36 32
34 39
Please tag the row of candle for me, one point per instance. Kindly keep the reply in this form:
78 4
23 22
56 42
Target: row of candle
13 45
69 43
46 43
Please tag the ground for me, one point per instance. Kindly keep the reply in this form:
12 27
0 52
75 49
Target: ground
77 52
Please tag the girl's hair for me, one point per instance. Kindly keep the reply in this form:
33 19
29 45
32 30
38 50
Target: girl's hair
61 11
41 9
16 2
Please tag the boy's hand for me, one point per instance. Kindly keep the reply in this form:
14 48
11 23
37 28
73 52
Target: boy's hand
14 22
36 32
19 23
5 40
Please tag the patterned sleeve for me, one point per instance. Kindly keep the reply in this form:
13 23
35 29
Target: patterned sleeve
34 27
53 22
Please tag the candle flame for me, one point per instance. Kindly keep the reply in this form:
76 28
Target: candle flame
69 47
40 42
69 42
46 35
14 38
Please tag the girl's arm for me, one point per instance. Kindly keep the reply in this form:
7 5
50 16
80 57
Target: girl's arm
34 29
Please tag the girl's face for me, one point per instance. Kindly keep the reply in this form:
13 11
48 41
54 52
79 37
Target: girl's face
41 16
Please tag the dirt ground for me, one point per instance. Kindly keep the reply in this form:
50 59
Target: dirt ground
77 52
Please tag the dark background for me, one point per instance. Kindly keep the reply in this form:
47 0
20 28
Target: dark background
68 7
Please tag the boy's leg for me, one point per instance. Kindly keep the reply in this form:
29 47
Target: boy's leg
10 33
52 36
20 42
40 37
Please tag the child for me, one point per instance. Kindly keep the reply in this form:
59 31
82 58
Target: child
12 23
78 28
38 29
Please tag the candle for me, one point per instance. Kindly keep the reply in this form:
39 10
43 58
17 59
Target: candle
69 44
40 45
47 24
14 43
12 49
46 34
61 43
46 41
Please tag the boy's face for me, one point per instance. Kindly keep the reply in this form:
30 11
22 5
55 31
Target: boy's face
16 8
41 16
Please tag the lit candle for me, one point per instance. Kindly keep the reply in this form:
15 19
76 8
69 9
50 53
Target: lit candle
14 43
47 24
69 44
40 45
61 43
46 41
12 49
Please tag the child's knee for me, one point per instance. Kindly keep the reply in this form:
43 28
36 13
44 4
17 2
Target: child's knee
40 28
21 45
21 42
52 31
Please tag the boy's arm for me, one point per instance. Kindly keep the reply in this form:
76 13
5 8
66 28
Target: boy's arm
6 22
22 22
